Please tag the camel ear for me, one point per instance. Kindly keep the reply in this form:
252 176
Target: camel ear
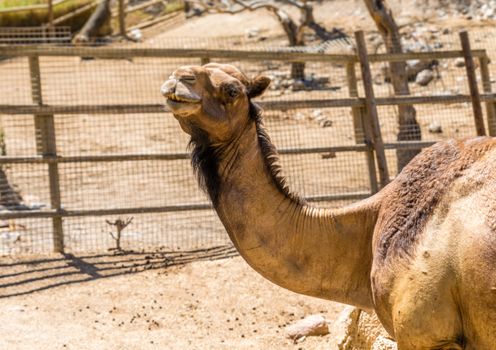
258 86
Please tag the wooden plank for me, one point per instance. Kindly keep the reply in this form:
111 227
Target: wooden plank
359 131
174 17
310 103
36 96
78 109
162 156
122 18
160 108
50 15
46 146
472 83
30 7
146 210
486 85
372 119
267 105
274 55
10 10
184 156
115 53
74 13
131 9
409 144
400 57
339 196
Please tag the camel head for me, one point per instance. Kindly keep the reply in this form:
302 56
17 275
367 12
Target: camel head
212 100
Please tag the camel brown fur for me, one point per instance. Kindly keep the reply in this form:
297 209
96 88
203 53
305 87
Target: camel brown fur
421 253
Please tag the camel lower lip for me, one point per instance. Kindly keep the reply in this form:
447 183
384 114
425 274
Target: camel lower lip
181 101
176 106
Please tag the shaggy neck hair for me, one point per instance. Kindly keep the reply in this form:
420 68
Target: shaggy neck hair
205 160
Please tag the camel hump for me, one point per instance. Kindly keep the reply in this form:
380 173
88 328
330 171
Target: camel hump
417 191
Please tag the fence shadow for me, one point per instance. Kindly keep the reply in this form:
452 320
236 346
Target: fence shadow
22 276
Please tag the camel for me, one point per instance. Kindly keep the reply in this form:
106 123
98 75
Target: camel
421 252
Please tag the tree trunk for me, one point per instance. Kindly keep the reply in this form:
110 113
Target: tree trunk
122 19
97 25
9 197
409 129
295 36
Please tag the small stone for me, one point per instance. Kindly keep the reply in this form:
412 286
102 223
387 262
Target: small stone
328 155
460 62
326 123
135 35
435 128
441 13
298 84
252 32
299 116
319 81
309 326
317 114
414 67
424 77
489 13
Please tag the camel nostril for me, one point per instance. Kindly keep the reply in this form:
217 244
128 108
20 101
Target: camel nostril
168 88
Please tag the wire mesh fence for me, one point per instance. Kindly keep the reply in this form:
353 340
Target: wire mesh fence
114 165
35 35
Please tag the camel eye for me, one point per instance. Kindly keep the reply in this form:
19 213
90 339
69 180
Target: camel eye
231 91
189 79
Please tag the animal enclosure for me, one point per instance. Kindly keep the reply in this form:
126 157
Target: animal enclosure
86 140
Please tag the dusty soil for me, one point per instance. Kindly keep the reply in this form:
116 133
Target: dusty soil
93 302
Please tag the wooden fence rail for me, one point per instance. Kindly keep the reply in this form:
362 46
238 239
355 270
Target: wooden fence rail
31 7
267 105
271 55
368 139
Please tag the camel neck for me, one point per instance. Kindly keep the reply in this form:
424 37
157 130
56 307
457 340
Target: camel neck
319 252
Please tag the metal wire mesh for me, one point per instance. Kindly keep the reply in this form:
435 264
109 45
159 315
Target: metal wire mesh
320 175
35 35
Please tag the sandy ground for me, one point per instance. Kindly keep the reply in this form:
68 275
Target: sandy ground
218 304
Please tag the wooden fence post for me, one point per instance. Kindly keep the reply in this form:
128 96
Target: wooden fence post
372 120
122 19
472 84
486 85
50 18
47 147
361 136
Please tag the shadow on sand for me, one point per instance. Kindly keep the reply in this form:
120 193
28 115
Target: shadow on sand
21 276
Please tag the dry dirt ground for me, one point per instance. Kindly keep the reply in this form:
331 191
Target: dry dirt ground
94 302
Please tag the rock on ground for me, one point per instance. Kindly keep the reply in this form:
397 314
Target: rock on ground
460 62
424 77
435 128
309 326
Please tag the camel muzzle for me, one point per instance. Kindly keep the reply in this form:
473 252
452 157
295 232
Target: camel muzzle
178 91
